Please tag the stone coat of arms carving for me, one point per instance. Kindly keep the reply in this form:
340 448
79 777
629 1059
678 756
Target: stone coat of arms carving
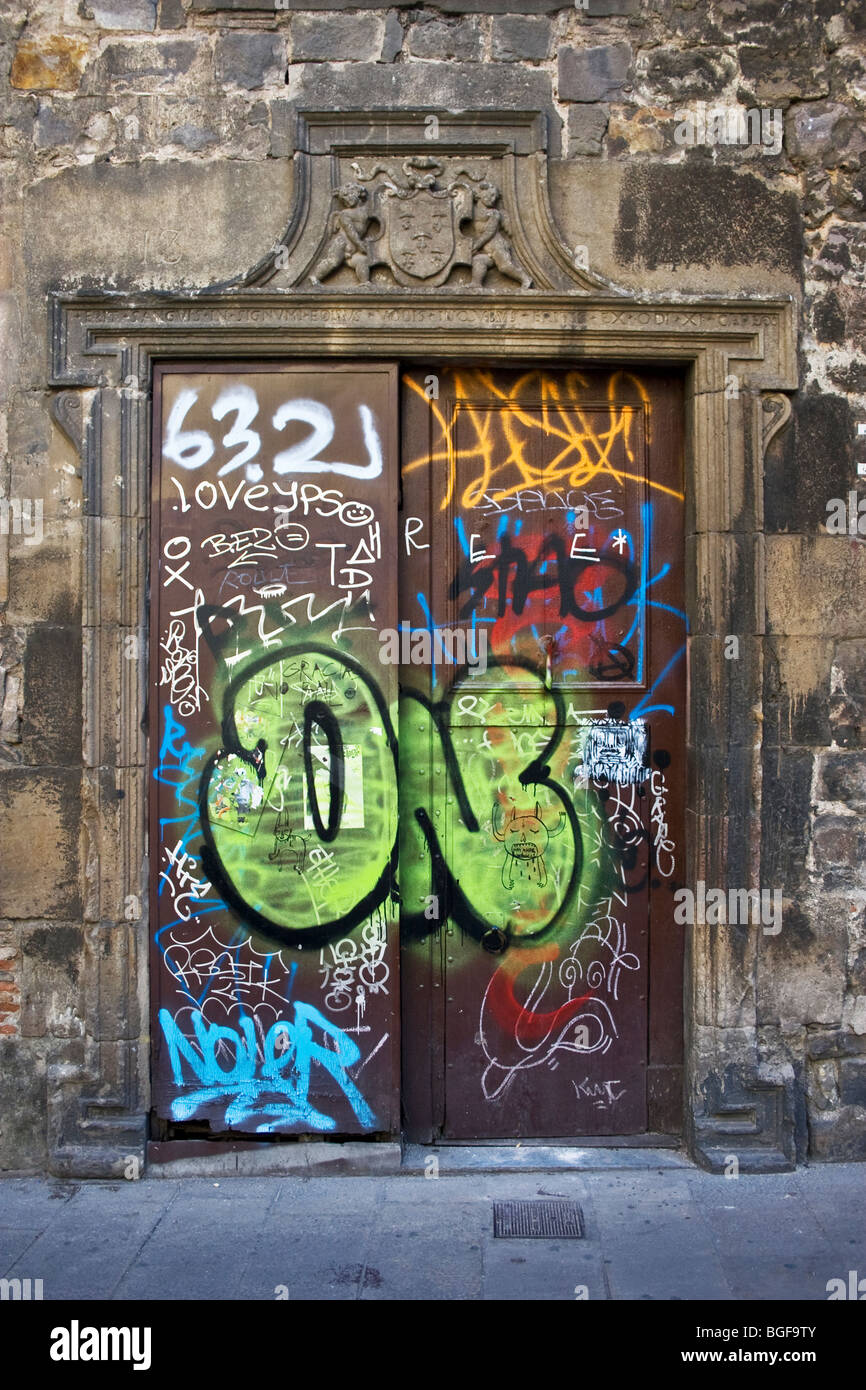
391 201
420 232
419 226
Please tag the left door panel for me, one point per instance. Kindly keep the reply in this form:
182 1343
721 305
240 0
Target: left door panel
273 788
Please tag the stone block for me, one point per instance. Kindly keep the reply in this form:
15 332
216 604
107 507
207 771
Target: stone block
839 851
822 1080
639 131
194 137
17 120
852 301
687 73
140 66
842 778
848 694
818 452
44 579
815 585
51 725
446 40
332 38
392 41
29 436
112 959
593 74
215 215
810 129
782 74
54 62
52 129
796 695
694 214
857 966
114 1077
22 1129
111 678
12 25
725 691
841 250
39 831
801 971
824 1043
51 998
124 14
854 1015
249 60
430 85
603 8
839 1136
785 809
828 318
12 648
518 38
852 1081
105 831
850 377
171 14
586 128
748 1115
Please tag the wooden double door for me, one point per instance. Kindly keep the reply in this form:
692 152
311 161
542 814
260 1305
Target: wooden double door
417 689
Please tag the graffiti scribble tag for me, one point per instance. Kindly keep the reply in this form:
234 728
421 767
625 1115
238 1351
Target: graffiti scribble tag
272 1083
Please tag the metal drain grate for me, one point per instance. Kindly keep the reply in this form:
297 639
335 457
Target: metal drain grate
537 1220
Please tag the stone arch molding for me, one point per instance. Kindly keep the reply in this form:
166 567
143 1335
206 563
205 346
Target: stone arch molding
103 346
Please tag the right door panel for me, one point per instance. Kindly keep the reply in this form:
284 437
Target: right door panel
542 752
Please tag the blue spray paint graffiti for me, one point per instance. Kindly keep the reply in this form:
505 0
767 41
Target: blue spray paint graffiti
275 1088
250 1086
179 766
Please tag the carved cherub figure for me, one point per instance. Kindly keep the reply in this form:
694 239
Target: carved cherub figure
491 245
348 230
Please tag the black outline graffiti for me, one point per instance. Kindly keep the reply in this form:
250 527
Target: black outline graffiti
534 864
529 579
414 925
317 712
340 926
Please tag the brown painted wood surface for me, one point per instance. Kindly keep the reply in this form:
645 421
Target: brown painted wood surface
552 1008
273 807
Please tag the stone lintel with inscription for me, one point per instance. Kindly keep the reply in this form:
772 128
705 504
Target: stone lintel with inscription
86 328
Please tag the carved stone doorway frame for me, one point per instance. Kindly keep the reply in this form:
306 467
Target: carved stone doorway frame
737 356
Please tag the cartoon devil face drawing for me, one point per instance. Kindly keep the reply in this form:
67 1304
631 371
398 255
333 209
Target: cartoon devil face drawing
525 837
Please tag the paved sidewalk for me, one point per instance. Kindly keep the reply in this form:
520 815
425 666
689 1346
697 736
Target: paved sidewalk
661 1233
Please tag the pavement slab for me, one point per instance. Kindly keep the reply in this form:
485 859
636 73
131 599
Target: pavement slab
654 1230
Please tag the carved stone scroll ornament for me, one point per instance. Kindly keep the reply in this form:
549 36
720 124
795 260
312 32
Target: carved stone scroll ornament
777 411
67 410
418 226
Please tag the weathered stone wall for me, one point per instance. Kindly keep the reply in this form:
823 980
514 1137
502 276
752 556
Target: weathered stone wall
148 144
